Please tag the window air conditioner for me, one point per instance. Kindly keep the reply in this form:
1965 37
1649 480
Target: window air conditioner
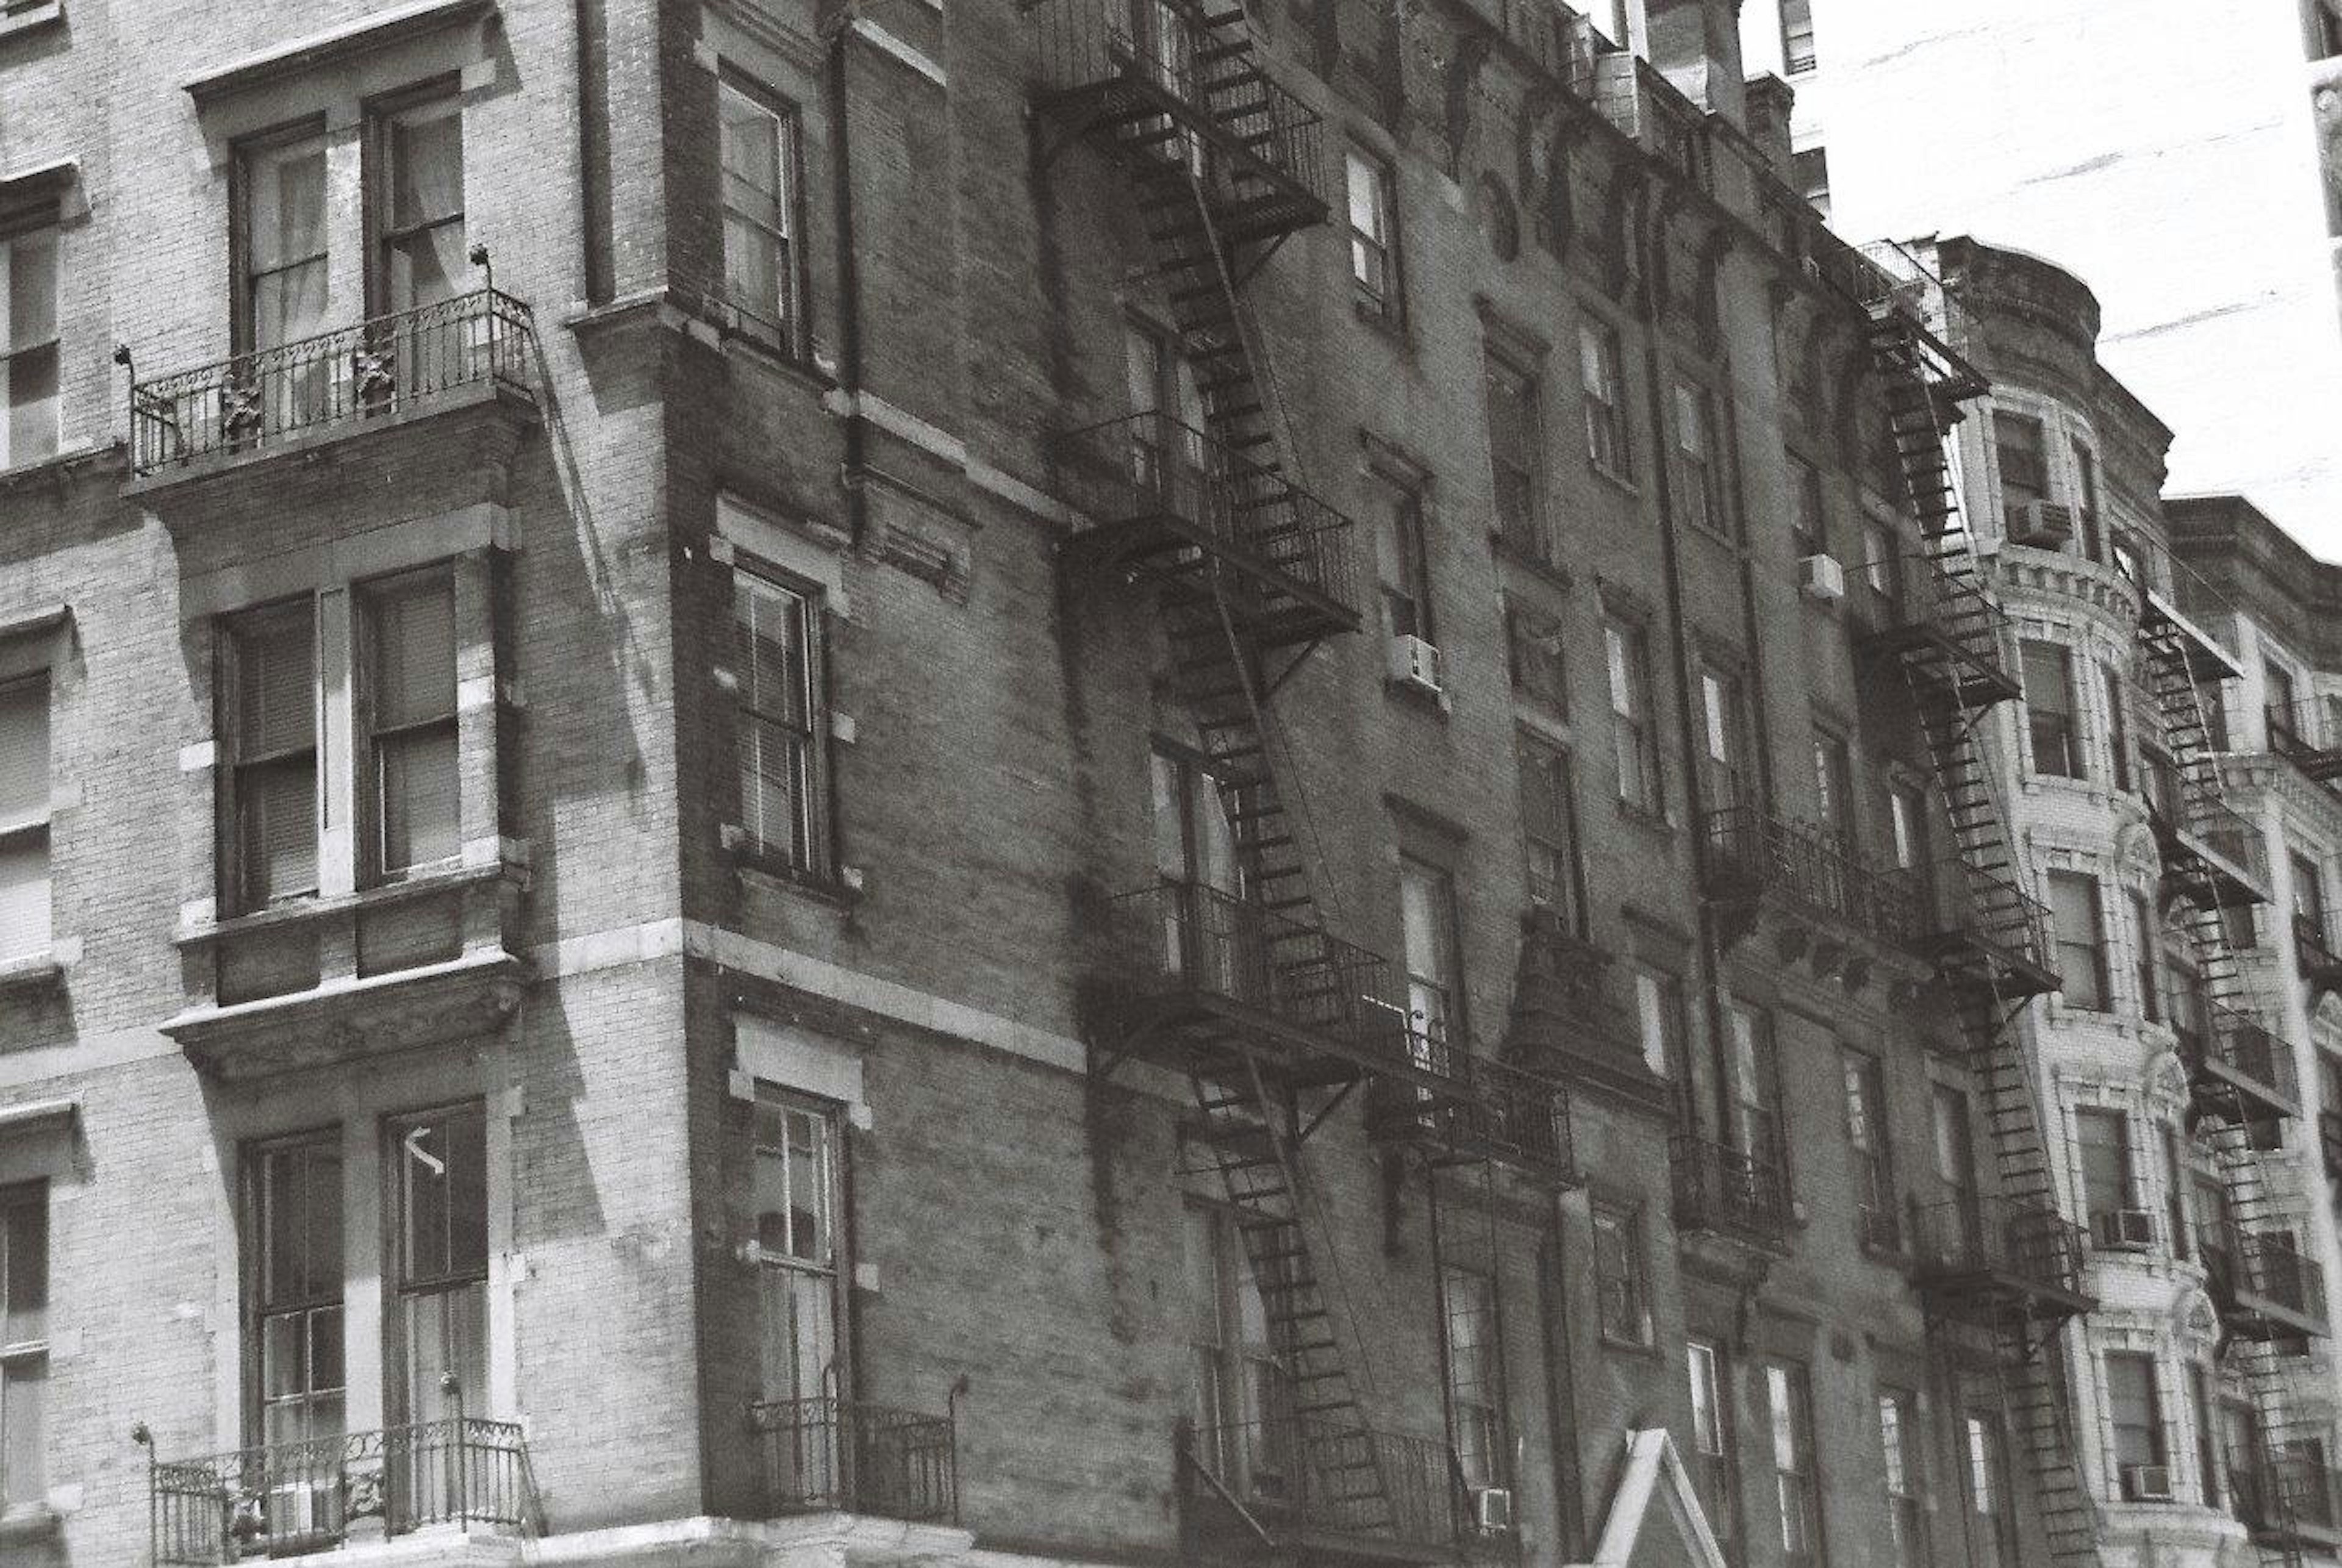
1415 663
296 1509
1821 577
1492 1508
2124 1229
2147 1482
2043 525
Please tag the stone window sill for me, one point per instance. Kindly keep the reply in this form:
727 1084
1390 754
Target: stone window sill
32 18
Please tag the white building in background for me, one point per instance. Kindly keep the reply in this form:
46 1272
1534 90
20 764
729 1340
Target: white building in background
2185 156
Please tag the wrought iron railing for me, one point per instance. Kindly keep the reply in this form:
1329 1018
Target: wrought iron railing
1750 850
2261 1264
1982 908
1160 53
1506 1113
1718 1187
822 1455
291 1497
1385 1487
249 401
2024 1241
2244 1045
1185 936
1148 465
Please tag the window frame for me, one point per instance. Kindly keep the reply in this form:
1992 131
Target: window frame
374 867
1521 524
1633 720
1797 1473
46 235
244 277
1436 974
406 1288
2092 951
1536 657
1377 287
2052 729
815 817
33 834
789 330
1622 1279
1798 55
2031 483
378 180
1405 580
2157 1426
1552 849
1602 383
1476 1406
25 1359
1710 1445
830 1271
1659 1023
1903 1447
1871 1146
260 1304
1808 506
236 869
1704 496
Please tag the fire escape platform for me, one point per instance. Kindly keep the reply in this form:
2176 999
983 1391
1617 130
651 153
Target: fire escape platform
1973 959
2207 659
1938 657
1168 547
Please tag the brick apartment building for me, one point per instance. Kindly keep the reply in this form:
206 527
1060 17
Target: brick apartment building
1035 781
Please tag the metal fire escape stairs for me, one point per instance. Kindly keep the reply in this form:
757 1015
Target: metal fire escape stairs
1955 681
1210 217
2225 1119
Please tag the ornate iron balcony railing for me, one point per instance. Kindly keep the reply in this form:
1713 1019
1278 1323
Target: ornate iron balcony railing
1750 850
820 1456
249 401
1504 1113
285 1498
1718 1187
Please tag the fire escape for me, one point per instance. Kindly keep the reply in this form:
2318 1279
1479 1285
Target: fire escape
1238 986
2004 1270
2241 1079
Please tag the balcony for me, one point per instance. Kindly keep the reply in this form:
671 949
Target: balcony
2321 967
2214 856
1309 1487
2264 1288
1168 500
1751 855
2290 1499
290 1498
2000 1261
1952 637
2305 734
1167 88
834 1456
475 350
2237 1070
1722 1190
1499 1112
1196 979
1981 931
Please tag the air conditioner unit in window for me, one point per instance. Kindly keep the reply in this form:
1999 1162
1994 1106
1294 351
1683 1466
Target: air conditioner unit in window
1415 663
297 1510
1821 577
2147 1482
2043 525
1492 1508
2124 1229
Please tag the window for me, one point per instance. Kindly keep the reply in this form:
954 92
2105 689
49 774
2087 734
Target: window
1170 457
293 1314
1404 555
1601 372
29 347
24 1341
1373 235
800 1243
1882 556
1514 444
1534 641
1993 1533
2118 728
1906 822
1549 831
1711 1436
783 722
2136 1415
2281 704
1195 842
1724 722
2104 1140
271 722
2208 1443
2175 1201
1752 1085
2081 938
417 205
761 254
2024 462
1634 736
1798 36
410 685
1834 787
282 248
2145 946
1808 516
1235 1380
1698 462
2086 510
1620 1283
2325 29
25 790
2212 706
1865 1136
1796 1482
2049 709
437 1330
1901 1443
1954 1169
1475 1376
1809 170
1658 1020
1428 911
2309 900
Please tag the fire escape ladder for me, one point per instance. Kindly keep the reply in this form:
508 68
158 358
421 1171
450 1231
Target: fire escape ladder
2244 1180
1952 690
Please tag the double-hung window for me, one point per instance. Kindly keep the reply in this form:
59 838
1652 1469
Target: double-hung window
1834 788
1699 464
2018 441
1476 1393
409 690
1533 644
1724 721
1752 1089
282 259
1602 376
2135 1414
2145 954
417 198
2118 727
2086 503
1798 36
1992 1530
782 719
2104 1139
295 1268
1903 1448
1711 1435
1633 729
2309 902
1866 1136
1374 233
25 791
1428 914
1796 1480
800 1247
437 1338
2048 669
1549 831
1659 1020
24 1341
271 774
29 347
1808 516
1515 471
1621 1280
2081 935
758 148
1404 554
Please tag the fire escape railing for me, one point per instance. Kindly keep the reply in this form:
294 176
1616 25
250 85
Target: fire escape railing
1730 1190
2263 1266
1296 1474
2028 1246
824 1455
2304 732
1748 850
1496 1110
249 401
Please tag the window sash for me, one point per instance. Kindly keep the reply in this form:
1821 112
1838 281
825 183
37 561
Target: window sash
25 792
296 1272
1369 204
2023 450
408 699
30 352
2080 930
1599 374
1512 413
1619 1277
417 199
1549 826
781 710
758 153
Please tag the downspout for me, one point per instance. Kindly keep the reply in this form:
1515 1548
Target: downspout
849 273
1570 1500
594 151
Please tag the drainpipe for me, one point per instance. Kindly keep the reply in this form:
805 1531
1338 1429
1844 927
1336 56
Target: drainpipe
1561 1393
849 271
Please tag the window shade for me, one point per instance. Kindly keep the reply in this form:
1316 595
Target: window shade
276 682
775 651
415 653
24 752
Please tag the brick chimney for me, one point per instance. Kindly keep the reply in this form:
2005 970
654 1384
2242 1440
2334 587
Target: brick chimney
1695 44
